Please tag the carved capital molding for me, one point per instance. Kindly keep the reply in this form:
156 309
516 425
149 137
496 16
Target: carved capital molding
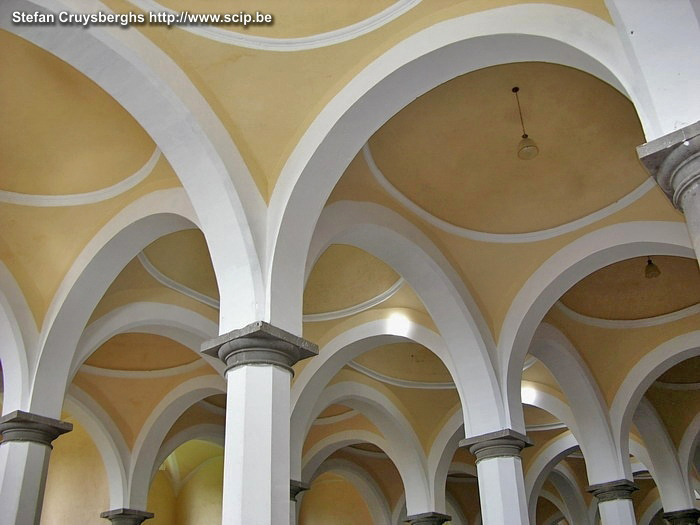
682 517
674 162
428 518
296 488
613 490
126 516
499 444
259 343
25 426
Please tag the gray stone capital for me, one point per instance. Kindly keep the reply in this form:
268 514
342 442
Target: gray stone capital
25 426
259 343
126 516
682 517
499 444
428 518
613 490
296 488
674 161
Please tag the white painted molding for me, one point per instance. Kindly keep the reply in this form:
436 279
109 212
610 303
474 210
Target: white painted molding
627 324
330 420
545 426
356 309
677 386
504 238
211 407
366 453
143 374
174 285
80 199
402 383
328 38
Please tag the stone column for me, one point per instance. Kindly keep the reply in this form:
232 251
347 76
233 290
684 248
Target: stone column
295 488
126 516
428 518
615 502
674 162
24 462
259 359
682 517
500 472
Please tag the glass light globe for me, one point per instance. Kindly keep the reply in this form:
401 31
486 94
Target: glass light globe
527 149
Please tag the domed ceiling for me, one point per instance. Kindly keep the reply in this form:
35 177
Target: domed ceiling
130 351
687 372
406 361
345 276
62 134
622 292
453 150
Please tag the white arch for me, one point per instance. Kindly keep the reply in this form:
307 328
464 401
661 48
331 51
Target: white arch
587 404
401 443
390 237
561 271
687 450
673 484
156 427
365 484
440 456
559 504
206 431
642 375
18 335
551 453
414 66
132 229
332 357
563 480
107 438
163 100
175 322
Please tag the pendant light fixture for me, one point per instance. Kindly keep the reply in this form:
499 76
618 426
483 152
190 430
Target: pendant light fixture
651 271
527 149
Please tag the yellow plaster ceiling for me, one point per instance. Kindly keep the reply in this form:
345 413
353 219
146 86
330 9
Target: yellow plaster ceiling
345 276
140 352
537 416
61 133
218 400
334 410
290 19
621 291
184 257
453 150
407 361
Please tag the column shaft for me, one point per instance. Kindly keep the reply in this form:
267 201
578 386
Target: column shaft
256 464
24 463
501 480
617 512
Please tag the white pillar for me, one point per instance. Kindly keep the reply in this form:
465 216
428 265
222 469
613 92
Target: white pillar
500 472
259 358
24 462
662 39
615 502
674 162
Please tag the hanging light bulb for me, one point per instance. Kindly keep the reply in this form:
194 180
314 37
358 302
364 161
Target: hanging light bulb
651 271
527 149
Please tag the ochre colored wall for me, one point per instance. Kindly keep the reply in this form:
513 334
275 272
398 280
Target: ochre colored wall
161 500
332 500
200 498
77 489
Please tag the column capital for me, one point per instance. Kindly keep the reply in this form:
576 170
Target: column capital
428 518
127 516
25 426
498 444
259 343
674 161
296 488
613 490
682 517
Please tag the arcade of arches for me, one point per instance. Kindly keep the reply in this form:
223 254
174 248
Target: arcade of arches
296 273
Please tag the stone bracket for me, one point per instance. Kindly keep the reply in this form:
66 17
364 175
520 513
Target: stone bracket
259 343
296 488
428 518
613 490
498 444
25 426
